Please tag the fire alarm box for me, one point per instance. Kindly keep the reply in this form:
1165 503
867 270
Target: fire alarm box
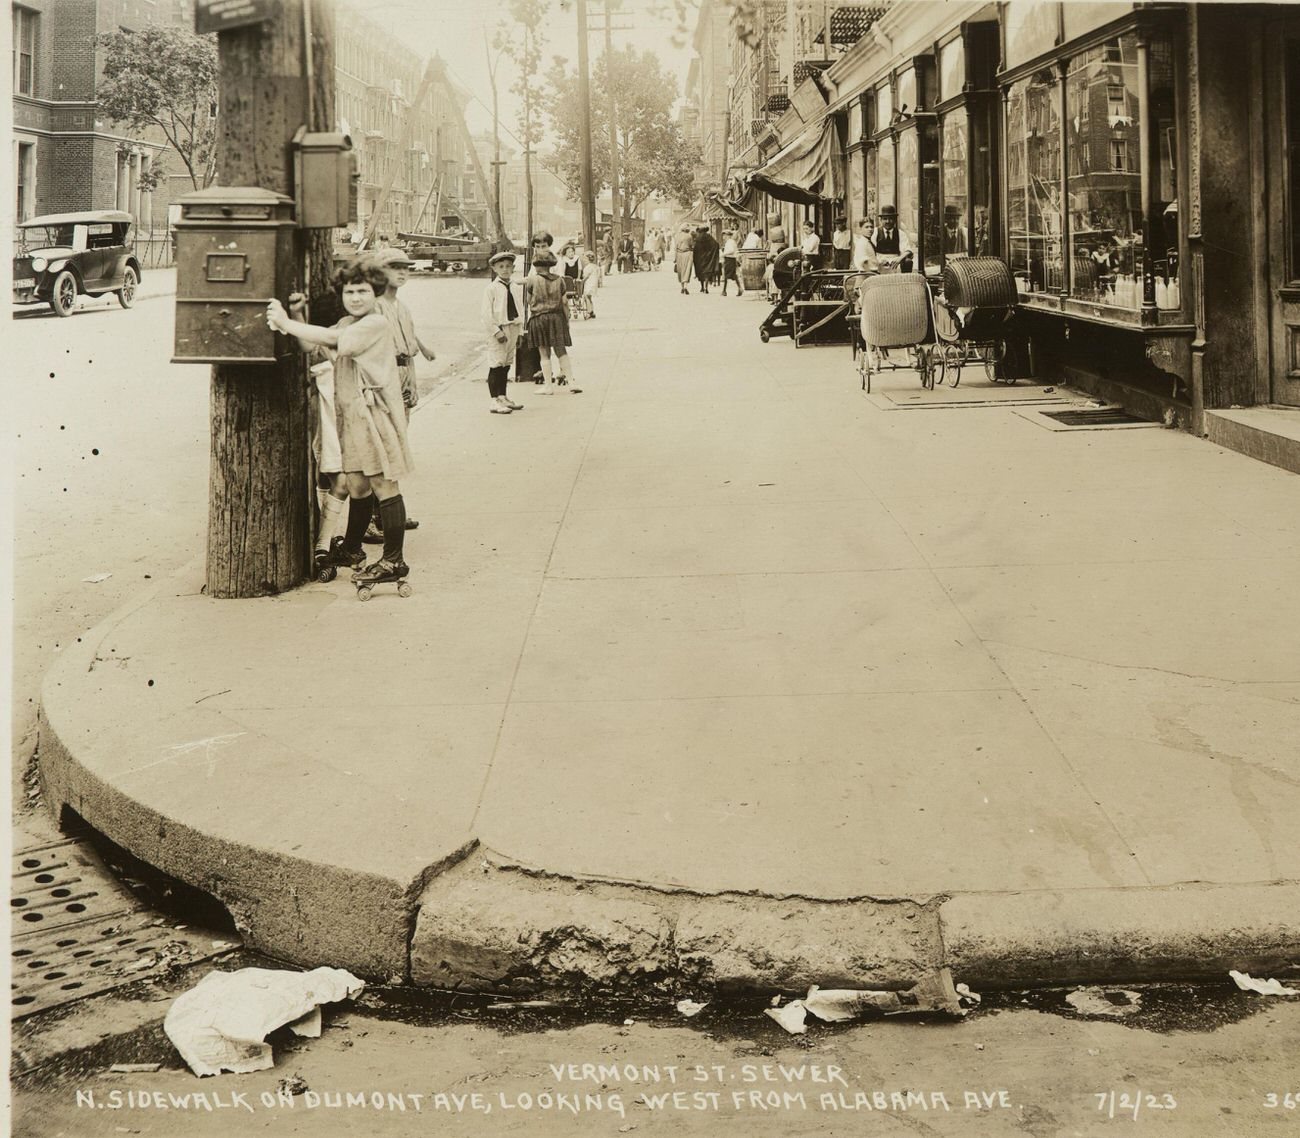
324 179
234 251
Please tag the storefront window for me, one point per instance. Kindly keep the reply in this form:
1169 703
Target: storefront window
857 197
855 121
908 188
884 106
1034 182
952 69
871 185
1104 176
1031 28
956 238
931 222
906 91
885 172
1164 216
981 180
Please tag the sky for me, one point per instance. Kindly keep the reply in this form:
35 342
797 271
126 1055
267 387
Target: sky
455 30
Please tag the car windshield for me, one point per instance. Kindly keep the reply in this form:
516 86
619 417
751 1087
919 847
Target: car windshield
44 236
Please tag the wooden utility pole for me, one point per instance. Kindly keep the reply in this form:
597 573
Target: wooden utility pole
616 214
496 137
584 132
528 151
260 492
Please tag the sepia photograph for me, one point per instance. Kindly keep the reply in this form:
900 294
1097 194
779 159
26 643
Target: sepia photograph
684 568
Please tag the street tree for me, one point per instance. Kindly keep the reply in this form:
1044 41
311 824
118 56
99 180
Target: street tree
521 38
165 77
654 157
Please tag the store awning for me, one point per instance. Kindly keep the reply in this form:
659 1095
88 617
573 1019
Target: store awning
807 171
716 207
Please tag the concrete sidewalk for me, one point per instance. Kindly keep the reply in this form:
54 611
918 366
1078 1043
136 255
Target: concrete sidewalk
723 673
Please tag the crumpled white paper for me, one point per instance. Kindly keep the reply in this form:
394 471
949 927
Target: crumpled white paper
1248 983
791 1017
838 1005
1095 1001
690 1007
221 1024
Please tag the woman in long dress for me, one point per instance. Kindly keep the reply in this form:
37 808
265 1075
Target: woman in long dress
684 249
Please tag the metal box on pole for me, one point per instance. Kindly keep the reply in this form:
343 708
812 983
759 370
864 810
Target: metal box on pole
234 251
324 179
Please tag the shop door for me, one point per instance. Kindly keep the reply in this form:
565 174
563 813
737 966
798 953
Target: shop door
1282 79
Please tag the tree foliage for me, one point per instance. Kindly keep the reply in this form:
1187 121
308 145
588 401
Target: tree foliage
522 39
654 158
165 77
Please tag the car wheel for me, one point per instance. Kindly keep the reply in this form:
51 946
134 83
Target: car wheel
126 294
63 297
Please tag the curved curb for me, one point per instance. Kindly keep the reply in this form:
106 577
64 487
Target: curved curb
490 923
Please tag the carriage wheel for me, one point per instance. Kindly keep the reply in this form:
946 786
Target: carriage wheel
938 366
954 357
864 369
995 352
924 367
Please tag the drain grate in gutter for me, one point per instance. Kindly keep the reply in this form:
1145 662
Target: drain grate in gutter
1094 417
77 932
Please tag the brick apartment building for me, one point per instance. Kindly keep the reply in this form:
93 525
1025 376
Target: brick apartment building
65 156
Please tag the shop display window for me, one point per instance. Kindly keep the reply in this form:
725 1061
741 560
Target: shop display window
1164 208
884 106
909 190
1034 217
857 197
955 238
1104 174
871 205
885 173
952 69
931 216
906 92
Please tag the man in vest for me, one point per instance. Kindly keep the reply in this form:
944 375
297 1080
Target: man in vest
893 245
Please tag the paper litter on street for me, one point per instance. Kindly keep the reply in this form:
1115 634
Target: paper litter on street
95 578
1268 987
790 1017
221 1024
690 1007
840 1005
1099 1001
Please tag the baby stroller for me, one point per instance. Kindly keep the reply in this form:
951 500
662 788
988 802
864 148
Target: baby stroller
573 288
897 316
970 318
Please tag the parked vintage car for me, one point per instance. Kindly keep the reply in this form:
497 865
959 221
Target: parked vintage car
63 255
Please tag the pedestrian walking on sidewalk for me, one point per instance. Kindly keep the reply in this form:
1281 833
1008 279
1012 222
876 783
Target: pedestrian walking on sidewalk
369 414
548 322
503 317
590 283
731 262
528 362
705 255
684 251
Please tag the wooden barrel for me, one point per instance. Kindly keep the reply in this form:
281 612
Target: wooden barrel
753 263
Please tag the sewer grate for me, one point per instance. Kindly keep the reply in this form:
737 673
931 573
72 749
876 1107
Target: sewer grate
1094 417
76 932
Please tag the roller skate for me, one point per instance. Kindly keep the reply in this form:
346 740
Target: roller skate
328 565
323 567
378 573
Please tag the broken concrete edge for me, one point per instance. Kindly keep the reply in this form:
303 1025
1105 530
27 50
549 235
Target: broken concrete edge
283 906
494 926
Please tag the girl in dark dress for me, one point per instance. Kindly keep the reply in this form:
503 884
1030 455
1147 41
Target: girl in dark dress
548 322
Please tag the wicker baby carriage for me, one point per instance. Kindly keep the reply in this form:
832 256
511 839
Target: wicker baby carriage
970 319
898 316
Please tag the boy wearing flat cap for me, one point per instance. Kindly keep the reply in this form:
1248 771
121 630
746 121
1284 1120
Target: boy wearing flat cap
396 267
503 319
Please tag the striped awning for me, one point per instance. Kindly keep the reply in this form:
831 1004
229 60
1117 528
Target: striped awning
806 171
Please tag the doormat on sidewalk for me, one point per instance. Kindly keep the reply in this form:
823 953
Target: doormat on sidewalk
1087 419
975 395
